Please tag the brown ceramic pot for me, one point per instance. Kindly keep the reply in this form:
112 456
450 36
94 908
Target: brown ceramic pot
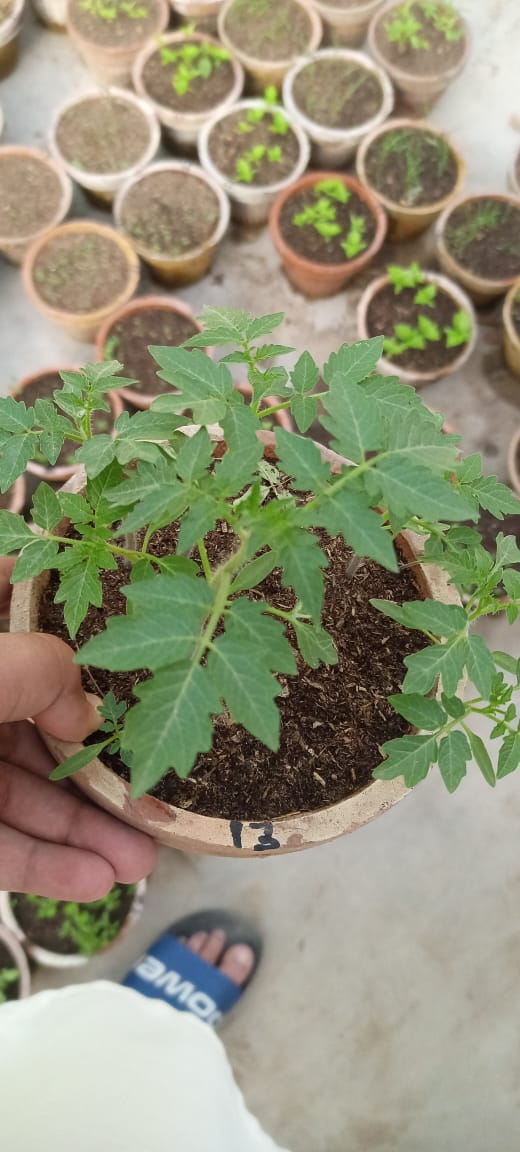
419 90
513 458
262 73
112 64
482 289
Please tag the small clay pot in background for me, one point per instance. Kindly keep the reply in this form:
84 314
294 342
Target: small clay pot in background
513 462
28 168
261 72
345 25
111 62
10 38
511 323
481 288
418 88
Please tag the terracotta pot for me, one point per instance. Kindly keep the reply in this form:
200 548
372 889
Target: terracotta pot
333 147
110 64
17 495
392 367
52 13
511 334
182 129
81 325
265 73
10 941
405 222
192 265
345 26
250 203
185 830
47 959
10 38
418 89
318 280
15 247
102 186
512 462
481 288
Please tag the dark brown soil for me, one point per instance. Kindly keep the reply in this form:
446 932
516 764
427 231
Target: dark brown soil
6 959
515 313
441 55
121 32
103 135
46 933
43 388
271 30
129 339
305 240
386 310
170 213
203 94
334 719
30 193
337 93
227 145
80 273
484 235
412 167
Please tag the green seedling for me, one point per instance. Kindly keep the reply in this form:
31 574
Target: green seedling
8 977
196 61
459 331
110 10
402 278
89 927
354 242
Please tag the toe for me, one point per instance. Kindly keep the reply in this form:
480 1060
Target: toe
237 963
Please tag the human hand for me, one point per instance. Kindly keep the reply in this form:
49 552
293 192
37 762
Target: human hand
52 842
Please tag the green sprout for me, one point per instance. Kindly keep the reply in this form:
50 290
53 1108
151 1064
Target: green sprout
8 977
195 61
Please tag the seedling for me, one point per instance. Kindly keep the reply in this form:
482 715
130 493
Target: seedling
89 927
248 165
408 337
279 123
8 977
323 217
417 149
402 278
459 331
405 30
207 647
354 242
483 220
110 10
195 61
408 30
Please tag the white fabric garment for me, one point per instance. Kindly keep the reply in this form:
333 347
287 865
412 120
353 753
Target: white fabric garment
100 1068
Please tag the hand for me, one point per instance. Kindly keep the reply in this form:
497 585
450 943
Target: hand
52 842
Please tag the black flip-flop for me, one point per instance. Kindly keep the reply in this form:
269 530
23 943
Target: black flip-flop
170 971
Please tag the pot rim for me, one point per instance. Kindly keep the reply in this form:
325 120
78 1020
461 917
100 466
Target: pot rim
118 51
479 283
9 27
393 207
361 9
233 188
11 942
514 473
65 200
323 132
401 75
98 179
507 310
166 114
388 367
257 63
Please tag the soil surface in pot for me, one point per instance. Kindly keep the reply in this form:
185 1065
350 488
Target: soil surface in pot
386 309
338 93
205 93
7 961
77 272
483 234
333 719
129 339
54 933
230 148
272 30
135 26
103 135
307 241
412 167
170 213
515 314
43 389
439 56
30 194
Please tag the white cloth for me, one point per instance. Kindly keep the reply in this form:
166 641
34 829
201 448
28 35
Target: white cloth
100 1068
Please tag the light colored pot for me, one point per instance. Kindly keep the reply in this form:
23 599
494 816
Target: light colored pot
263 74
251 204
512 462
318 280
182 129
47 959
17 495
192 265
10 941
481 289
185 830
103 186
191 11
10 38
81 325
333 147
511 336
392 367
418 90
513 179
113 65
345 27
403 222
14 248
52 13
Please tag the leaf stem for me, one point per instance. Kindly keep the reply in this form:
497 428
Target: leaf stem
204 559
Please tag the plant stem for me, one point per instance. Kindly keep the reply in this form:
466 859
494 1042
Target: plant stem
275 408
206 567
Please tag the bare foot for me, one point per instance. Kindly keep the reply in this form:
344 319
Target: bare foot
236 963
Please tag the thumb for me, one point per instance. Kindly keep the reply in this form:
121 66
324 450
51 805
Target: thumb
39 681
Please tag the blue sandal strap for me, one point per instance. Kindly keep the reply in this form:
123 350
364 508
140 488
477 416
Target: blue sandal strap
170 971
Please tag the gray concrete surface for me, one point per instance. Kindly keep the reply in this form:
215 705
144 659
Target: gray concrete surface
385 1017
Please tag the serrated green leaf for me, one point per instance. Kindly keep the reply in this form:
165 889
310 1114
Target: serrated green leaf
482 758
143 640
237 468
46 508
390 395
353 363
507 550
302 561
254 572
248 625
425 615
263 325
301 459
441 660
480 665
203 386
352 420
54 428
15 417
80 587
305 411
511 582
495 497
422 711
36 557
453 705
96 454
180 590
14 458
509 755
349 514
305 374
454 752
221 326
507 662
197 521
248 689
315 644
408 756
75 507
194 456
14 533
79 760
410 490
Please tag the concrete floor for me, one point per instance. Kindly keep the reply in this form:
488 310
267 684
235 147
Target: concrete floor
385 1017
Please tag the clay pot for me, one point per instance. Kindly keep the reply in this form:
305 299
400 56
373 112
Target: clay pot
9 39
409 375
51 13
111 64
405 222
15 247
261 73
194 11
47 959
481 288
318 280
333 147
81 325
345 26
419 90
189 266
182 129
250 204
11 943
513 456
17 494
184 829
102 186
511 334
